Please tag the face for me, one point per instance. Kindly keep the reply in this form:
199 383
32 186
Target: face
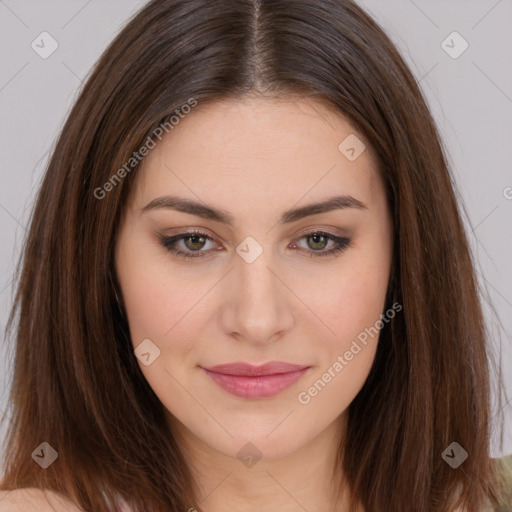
252 275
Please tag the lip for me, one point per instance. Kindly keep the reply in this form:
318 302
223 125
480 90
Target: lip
249 381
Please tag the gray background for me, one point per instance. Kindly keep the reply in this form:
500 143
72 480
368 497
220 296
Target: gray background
470 97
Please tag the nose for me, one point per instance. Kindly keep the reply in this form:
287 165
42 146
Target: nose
260 307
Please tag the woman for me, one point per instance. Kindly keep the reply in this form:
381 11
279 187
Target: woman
246 282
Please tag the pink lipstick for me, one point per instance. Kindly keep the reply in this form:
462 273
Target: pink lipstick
249 381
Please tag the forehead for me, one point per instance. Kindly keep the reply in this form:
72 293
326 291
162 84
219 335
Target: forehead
260 151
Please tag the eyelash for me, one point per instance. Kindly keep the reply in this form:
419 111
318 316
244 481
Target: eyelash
169 242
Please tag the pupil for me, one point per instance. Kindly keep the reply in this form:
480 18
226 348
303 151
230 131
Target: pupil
194 239
316 237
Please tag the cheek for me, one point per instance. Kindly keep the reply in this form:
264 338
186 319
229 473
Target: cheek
351 307
155 309
160 311
157 302
351 301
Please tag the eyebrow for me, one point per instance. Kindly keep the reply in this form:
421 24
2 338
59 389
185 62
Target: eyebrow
208 212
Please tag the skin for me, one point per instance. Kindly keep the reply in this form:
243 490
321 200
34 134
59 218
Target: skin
256 158
35 500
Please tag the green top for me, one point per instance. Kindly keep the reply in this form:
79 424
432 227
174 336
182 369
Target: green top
505 468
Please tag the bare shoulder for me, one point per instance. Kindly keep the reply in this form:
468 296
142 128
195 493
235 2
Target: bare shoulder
35 500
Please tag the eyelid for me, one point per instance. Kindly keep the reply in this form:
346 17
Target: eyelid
331 230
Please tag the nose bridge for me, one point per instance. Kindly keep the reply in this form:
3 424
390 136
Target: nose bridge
256 279
260 308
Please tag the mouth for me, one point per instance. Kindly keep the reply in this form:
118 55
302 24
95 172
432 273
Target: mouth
249 381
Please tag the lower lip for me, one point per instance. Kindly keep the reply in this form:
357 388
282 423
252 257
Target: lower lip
261 386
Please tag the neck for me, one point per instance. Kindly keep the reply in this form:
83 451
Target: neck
308 478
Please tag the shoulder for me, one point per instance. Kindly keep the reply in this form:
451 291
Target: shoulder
504 470
35 500
504 465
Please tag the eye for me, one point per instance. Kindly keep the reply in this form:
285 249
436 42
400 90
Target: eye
320 240
194 241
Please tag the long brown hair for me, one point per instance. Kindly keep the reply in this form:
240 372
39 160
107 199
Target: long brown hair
76 383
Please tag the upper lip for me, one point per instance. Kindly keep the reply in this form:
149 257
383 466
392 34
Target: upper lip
241 368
